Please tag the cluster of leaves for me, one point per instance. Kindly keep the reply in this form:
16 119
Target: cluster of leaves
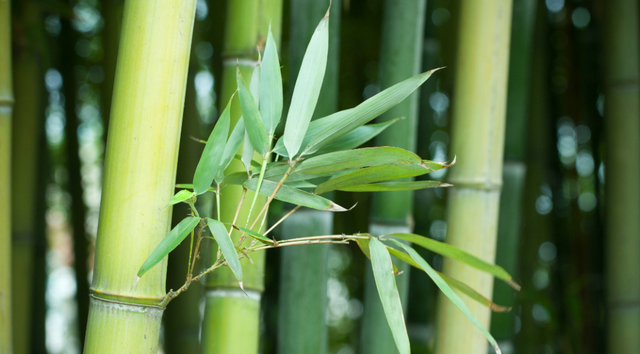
317 157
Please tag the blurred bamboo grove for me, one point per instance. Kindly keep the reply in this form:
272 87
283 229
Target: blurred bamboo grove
563 80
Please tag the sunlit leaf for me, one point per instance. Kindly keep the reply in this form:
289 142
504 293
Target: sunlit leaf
394 186
355 138
209 163
221 236
389 296
448 292
252 119
357 158
270 86
230 149
295 196
169 243
307 88
181 196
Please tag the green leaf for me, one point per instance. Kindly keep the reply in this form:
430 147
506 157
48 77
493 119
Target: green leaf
181 196
448 292
355 138
459 255
366 111
257 236
294 195
358 158
371 175
394 186
300 184
230 149
209 163
171 241
307 88
270 86
219 232
247 154
388 291
252 119
254 85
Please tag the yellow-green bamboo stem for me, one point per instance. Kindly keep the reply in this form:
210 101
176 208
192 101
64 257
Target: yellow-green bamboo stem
478 142
6 107
509 227
139 175
231 323
400 58
27 78
622 190
112 15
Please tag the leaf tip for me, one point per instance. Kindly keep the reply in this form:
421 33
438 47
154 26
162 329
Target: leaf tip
513 284
135 282
497 349
451 163
445 185
328 10
242 288
335 207
497 308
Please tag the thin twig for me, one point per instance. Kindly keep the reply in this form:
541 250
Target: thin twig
275 191
282 219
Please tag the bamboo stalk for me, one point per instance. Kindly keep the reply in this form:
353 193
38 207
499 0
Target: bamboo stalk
400 58
231 322
139 175
622 190
513 174
477 140
303 270
112 15
6 109
27 112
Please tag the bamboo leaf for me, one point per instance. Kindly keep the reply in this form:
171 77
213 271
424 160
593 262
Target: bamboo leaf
307 88
219 232
371 175
254 85
257 236
270 86
448 292
181 196
394 186
295 196
247 153
388 291
300 184
446 250
252 119
169 243
366 111
209 163
230 149
357 158
356 137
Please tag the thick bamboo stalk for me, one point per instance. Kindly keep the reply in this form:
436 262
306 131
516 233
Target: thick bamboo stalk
139 175
622 190
6 108
509 225
112 15
303 270
478 142
27 112
231 323
400 58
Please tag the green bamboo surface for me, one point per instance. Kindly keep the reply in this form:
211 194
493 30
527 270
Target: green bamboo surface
6 109
400 58
303 270
622 190
538 228
510 215
478 141
231 322
139 175
112 15
27 112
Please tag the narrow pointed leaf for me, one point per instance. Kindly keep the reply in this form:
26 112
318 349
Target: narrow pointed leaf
371 175
254 85
219 232
367 111
247 153
252 119
448 292
295 196
181 196
307 88
357 158
459 255
356 137
300 184
233 144
394 186
270 86
389 296
209 163
171 241
257 236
